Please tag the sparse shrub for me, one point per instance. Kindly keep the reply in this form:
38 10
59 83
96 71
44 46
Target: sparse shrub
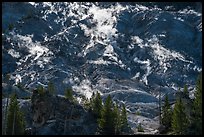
69 94
140 128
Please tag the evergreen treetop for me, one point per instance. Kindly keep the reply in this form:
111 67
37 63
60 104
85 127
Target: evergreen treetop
15 122
179 118
166 113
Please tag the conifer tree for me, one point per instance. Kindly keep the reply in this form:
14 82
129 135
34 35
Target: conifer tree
167 113
4 121
196 124
97 105
123 119
16 122
179 119
106 123
117 120
185 91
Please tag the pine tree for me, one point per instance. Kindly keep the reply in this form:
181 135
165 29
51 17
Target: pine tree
97 105
179 119
117 120
123 119
51 88
196 124
167 113
16 122
4 121
68 94
106 123
185 91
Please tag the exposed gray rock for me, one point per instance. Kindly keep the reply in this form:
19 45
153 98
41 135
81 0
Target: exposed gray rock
131 51
55 115
9 89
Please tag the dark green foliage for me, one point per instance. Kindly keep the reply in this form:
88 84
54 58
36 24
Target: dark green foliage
139 128
97 105
123 119
113 121
4 120
198 97
16 122
41 90
69 94
51 88
166 113
117 120
185 91
179 118
187 114
106 123
196 124
138 113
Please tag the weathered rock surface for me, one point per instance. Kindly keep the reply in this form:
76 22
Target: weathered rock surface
131 51
55 115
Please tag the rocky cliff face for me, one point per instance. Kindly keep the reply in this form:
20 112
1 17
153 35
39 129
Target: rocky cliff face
57 115
131 51
47 114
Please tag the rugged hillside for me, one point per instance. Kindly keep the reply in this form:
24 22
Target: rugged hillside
129 50
46 114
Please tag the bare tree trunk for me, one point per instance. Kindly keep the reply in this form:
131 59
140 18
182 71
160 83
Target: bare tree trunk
6 112
65 125
4 124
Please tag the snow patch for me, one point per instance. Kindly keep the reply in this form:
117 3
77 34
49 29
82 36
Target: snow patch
186 11
18 79
99 62
147 66
13 53
84 88
137 75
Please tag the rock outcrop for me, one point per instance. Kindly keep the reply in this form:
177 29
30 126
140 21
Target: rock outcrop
57 115
131 51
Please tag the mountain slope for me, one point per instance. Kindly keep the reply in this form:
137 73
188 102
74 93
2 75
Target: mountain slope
130 51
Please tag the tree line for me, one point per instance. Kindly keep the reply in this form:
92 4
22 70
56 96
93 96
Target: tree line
111 120
14 121
185 118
